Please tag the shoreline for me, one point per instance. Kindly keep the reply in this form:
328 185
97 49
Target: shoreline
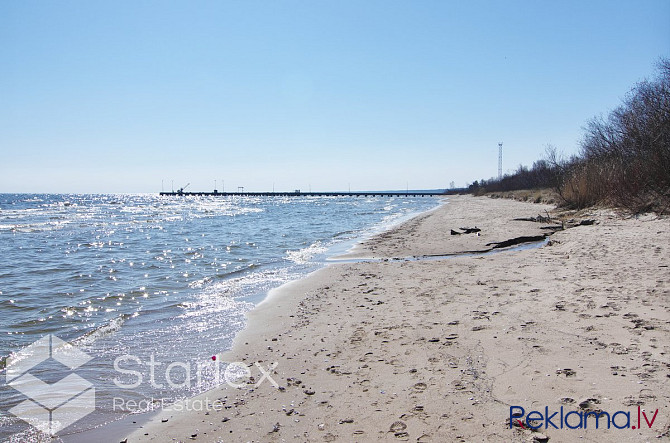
439 349
118 428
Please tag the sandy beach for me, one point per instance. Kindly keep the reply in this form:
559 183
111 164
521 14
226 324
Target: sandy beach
440 349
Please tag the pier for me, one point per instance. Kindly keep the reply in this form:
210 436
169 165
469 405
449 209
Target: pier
307 194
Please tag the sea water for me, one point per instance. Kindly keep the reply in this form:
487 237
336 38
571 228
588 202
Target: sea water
160 280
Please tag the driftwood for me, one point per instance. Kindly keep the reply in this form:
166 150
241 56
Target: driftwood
539 219
516 241
466 231
553 228
493 246
585 222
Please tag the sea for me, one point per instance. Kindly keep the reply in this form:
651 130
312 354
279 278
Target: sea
149 288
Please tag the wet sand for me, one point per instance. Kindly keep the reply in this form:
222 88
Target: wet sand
439 350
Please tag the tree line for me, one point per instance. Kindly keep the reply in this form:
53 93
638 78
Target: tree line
623 160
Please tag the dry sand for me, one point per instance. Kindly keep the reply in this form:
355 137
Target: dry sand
438 350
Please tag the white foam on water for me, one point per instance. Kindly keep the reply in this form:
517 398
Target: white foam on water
304 255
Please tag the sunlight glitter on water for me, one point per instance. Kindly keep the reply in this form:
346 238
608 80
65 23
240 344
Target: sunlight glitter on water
143 274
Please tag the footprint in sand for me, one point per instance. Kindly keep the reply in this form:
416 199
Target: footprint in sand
398 429
589 403
618 370
420 387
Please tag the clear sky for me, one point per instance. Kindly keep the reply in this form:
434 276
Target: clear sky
116 96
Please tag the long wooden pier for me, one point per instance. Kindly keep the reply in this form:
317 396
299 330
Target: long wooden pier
306 194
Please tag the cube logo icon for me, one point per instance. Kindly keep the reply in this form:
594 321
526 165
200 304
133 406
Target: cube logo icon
50 407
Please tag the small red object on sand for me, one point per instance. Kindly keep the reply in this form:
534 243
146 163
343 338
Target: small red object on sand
214 357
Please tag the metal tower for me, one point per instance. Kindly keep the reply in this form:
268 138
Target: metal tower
500 161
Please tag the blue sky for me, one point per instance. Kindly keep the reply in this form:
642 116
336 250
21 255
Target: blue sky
117 96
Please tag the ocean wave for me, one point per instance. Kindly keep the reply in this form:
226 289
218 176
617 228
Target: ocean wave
302 256
111 327
34 227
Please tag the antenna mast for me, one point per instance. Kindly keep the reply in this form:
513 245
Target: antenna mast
500 161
